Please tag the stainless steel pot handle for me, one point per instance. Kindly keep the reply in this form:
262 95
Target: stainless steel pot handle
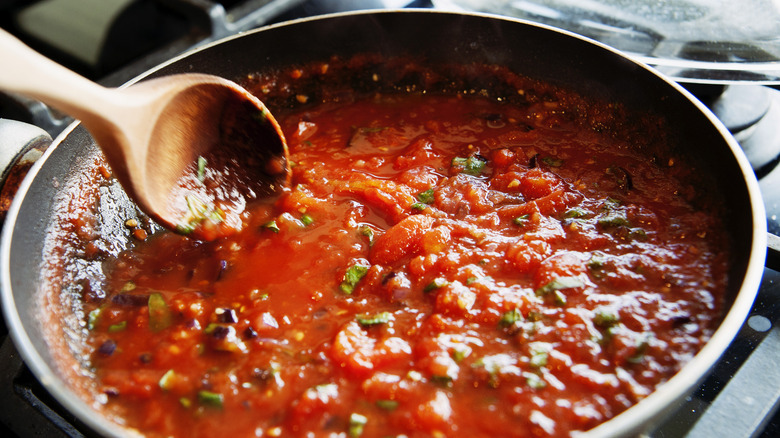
21 144
773 252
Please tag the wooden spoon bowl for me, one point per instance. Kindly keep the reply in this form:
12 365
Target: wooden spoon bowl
192 150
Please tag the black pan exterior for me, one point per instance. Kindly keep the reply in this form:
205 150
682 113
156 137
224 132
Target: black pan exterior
532 50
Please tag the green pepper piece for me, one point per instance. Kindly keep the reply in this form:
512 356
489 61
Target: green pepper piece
160 315
356 424
201 169
212 399
92 318
435 284
118 327
426 197
558 284
387 405
378 319
167 379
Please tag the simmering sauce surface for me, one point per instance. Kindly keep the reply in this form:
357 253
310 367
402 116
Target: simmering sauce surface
441 266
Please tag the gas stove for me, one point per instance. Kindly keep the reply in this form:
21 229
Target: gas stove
740 396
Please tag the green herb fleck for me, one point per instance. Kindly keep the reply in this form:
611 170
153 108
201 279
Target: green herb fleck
426 197
419 206
351 278
575 213
472 165
520 220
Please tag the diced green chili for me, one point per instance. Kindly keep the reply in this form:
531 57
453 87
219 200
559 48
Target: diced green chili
511 317
641 348
560 283
271 225
197 212
365 230
534 381
118 327
377 319
167 379
387 405
212 399
460 352
445 381
307 220
435 284
92 318
605 318
160 315
201 169
419 206
540 352
356 424
351 278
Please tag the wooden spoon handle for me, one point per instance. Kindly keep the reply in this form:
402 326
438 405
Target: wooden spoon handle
27 72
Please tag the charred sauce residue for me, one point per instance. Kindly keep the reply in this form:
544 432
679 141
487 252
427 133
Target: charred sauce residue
443 265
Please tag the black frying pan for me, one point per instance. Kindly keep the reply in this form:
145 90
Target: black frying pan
45 325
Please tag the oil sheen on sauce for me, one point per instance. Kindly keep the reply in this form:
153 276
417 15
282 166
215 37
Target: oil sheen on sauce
440 266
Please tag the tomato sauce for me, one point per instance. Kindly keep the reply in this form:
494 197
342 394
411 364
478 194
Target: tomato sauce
442 265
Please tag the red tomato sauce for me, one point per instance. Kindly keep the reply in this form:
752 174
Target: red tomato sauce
441 266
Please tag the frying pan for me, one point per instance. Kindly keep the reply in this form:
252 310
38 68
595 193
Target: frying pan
43 311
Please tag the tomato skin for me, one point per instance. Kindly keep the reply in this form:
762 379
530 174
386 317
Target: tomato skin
404 239
440 266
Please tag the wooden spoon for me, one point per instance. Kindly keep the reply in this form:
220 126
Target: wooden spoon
191 149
